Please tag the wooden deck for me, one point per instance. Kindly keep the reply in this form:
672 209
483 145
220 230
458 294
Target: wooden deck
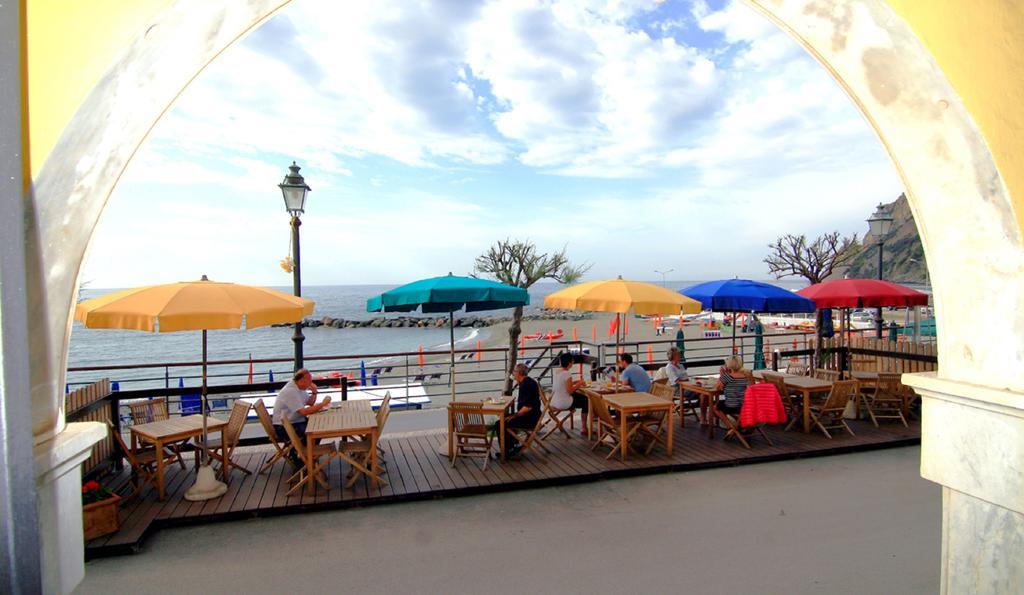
416 471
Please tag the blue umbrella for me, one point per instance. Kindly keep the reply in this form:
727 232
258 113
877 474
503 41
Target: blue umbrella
743 295
448 294
362 373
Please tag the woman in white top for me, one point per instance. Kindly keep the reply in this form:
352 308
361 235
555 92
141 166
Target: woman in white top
563 389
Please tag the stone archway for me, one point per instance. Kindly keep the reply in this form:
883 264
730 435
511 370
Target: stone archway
961 205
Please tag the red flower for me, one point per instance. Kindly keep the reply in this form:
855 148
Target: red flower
90 486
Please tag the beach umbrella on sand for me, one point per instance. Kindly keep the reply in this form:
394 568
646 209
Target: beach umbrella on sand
743 295
621 297
202 305
449 294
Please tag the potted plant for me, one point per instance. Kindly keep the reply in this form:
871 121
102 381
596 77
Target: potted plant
99 510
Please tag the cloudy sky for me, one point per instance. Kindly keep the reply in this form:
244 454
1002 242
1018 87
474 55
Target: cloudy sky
642 135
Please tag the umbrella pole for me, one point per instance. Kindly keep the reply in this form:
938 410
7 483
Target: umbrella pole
451 335
733 333
615 363
206 486
202 395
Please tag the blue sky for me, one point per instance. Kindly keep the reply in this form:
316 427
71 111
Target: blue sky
641 135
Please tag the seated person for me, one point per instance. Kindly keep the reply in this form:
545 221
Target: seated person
733 384
674 370
633 375
563 390
527 409
296 402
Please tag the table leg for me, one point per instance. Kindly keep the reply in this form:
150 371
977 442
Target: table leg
373 457
160 469
669 445
807 411
451 442
309 464
590 419
225 470
622 434
501 435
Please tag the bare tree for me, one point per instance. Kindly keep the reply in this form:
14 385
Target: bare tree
517 263
792 255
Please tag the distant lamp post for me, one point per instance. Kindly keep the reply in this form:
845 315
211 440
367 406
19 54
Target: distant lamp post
663 273
879 225
294 190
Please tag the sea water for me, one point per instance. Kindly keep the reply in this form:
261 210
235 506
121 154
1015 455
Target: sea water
100 347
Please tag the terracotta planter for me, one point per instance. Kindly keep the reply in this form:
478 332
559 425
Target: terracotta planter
100 518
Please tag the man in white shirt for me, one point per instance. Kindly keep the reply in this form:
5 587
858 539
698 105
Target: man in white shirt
296 402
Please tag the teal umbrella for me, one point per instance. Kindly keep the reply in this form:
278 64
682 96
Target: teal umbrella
681 342
448 294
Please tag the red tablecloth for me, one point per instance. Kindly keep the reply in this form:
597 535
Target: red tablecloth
762 405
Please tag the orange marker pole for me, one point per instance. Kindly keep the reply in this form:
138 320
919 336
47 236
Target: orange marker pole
478 351
650 354
420 358
593 332
625 329
522 345
575 336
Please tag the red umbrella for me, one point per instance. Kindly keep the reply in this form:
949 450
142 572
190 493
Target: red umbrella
863 293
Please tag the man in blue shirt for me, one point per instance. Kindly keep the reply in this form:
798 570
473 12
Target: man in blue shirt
633 375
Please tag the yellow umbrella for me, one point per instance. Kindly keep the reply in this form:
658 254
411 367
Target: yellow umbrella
193 306
621 297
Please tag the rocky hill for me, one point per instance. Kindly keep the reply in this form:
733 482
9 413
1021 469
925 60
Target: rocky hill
903 257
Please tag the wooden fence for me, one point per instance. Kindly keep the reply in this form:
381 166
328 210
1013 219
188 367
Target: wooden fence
90 403
906 357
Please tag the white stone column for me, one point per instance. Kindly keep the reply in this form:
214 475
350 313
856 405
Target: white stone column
58 464
972 443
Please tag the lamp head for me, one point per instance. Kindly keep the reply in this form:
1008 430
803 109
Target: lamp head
294 190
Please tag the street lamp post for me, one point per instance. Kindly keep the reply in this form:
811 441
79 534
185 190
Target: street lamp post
663 273
294 190
879 225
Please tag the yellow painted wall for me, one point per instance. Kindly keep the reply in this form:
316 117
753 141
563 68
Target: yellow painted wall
71 44
980 46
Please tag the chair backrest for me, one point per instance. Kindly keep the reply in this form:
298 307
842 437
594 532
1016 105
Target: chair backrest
236 422
294 438
465 414
150 410
128 453
601 410
383 412
797 369
842 391
661 381
266 421
823 374
664 391
889 385
779 383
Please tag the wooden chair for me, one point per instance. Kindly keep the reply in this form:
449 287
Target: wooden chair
279 445
888 401
320 451
236 423
142 461
823 374
150 410
357 452
829 415
794 405
608 430
653 425
797 369
556 418
469 433
530 437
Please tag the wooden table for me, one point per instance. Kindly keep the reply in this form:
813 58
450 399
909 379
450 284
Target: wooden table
349 418
498 406
805 385
707 392
159 433
630 403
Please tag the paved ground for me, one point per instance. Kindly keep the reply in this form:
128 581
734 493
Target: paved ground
861 523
